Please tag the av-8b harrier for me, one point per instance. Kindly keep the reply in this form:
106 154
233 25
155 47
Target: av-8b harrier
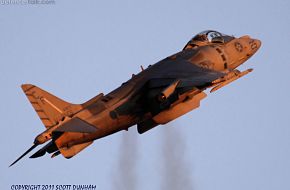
155 96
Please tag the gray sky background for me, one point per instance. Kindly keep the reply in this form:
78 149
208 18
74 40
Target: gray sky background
238 138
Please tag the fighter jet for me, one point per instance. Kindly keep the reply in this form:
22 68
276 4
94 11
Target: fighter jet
157 95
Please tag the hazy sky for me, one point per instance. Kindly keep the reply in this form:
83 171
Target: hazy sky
238 139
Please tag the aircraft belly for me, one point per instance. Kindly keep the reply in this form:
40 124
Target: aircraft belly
108 123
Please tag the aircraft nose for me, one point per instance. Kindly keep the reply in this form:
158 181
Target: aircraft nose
258 42
252 45
242 49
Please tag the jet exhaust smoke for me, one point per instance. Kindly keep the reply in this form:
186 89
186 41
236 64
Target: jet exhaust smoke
176 173
126 175
175 169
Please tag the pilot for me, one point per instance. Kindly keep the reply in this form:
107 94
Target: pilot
192 43
201 37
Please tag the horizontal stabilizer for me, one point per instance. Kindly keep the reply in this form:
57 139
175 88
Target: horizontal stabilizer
50 147
76 125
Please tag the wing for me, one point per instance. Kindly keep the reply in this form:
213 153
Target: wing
189 75
170 79
175 89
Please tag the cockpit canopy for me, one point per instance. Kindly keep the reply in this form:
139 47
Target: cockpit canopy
208 36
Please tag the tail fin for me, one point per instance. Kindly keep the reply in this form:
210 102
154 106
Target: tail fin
49 108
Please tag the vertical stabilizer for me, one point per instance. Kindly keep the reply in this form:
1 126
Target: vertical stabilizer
49 108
